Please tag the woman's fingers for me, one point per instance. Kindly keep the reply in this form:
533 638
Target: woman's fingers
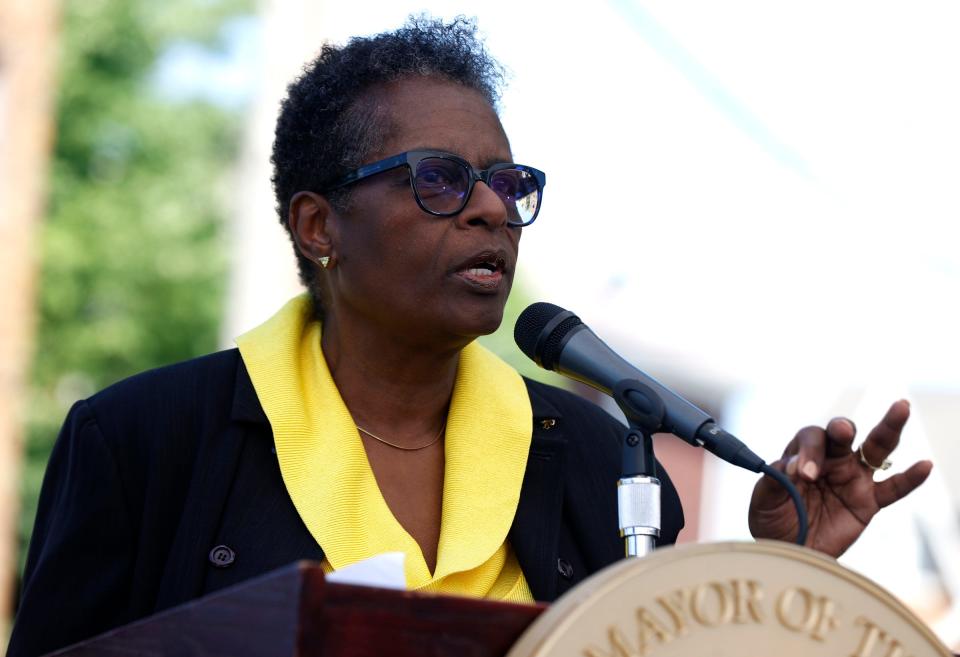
814 444
902 484
804 456
811 445
885 437
840 434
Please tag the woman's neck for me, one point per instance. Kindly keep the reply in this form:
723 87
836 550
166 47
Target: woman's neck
396 386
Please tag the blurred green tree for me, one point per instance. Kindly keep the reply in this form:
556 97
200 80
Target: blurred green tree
502 343
133 267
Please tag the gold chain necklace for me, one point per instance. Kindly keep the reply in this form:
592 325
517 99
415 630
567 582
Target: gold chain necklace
405 449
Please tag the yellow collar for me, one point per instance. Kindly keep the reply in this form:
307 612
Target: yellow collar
328 477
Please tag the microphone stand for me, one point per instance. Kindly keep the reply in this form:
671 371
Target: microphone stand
638 490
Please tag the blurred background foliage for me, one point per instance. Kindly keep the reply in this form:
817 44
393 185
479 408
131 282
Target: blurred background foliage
133 260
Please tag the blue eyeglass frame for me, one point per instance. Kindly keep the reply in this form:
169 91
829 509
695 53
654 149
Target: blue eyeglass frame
411 159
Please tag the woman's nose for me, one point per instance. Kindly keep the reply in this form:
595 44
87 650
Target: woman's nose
485 208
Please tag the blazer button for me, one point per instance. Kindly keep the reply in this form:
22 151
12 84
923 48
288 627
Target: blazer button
548 424
565 569
222 556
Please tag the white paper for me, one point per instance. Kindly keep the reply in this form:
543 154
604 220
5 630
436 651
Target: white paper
384 571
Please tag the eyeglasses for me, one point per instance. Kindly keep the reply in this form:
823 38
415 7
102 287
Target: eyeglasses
442 183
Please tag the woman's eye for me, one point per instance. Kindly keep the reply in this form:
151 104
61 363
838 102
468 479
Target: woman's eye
434 176
513 184
505 187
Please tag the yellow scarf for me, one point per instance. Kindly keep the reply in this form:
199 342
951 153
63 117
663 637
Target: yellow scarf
331 484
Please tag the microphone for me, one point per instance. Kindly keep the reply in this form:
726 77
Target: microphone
557 340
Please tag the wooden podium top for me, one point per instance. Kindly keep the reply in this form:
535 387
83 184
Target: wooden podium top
295 611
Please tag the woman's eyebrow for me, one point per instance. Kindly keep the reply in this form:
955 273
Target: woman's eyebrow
485 163
489 162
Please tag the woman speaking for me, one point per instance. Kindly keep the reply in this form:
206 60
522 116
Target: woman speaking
364 417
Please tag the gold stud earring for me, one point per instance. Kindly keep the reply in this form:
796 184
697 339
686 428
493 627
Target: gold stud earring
323 260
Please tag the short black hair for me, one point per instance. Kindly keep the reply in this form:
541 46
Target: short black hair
323 131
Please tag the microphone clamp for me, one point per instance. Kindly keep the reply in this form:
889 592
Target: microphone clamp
638 489
641 404
638 508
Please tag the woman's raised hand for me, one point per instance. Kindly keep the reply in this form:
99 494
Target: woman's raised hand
836 482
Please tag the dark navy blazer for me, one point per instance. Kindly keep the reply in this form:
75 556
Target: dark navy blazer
151 474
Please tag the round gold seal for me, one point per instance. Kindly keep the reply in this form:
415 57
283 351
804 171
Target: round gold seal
729 599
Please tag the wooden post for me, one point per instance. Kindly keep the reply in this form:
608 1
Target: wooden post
27 70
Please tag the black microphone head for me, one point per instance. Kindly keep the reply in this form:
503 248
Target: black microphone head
540 331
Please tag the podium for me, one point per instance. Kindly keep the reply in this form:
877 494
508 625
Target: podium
295 611
723 600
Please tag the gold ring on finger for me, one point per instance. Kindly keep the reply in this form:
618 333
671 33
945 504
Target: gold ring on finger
876 468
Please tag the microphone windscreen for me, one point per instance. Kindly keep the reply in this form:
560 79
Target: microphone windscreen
530 324
540 332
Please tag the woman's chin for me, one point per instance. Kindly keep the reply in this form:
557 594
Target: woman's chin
476 324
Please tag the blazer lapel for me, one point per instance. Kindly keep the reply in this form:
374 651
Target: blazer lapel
210 484
535 533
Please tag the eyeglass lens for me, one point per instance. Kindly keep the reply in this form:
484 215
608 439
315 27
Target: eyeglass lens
442 185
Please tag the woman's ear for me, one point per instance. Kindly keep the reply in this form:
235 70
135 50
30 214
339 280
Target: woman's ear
309 226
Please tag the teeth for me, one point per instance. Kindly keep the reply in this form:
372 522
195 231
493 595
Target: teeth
479 272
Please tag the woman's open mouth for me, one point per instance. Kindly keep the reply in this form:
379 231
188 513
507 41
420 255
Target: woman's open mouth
485 271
